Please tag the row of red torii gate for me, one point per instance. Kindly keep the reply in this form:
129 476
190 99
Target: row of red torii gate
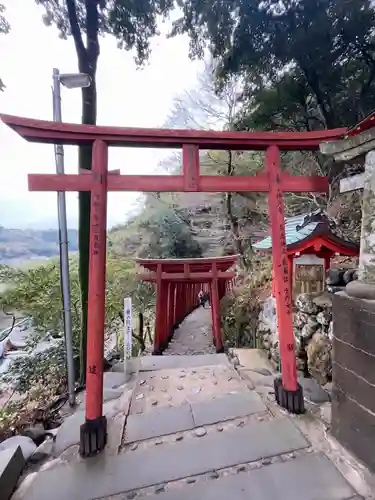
178 282
183 279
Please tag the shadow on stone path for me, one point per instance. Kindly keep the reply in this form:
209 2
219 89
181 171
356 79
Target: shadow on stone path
194 335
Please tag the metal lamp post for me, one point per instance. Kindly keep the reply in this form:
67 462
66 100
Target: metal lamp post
70 81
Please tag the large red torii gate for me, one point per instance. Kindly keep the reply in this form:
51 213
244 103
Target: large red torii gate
273 181
178 282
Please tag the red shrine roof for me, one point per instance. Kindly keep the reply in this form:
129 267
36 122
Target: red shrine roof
201 265
313 230
77 134
363 125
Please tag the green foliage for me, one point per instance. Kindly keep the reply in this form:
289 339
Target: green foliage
36 292
4 29
131 23
170 236
240 311
317 54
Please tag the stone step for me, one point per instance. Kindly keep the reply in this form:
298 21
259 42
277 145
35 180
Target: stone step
11 465
163 421
309 477
151 363
104 476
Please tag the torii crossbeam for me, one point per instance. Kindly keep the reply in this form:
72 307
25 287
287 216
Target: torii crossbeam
273 181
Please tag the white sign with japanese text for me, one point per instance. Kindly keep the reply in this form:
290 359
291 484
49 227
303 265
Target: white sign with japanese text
128 320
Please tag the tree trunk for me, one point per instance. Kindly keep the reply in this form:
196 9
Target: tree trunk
233 220
87 62
89 112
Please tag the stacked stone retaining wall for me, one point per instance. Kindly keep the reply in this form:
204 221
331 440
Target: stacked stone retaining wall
312 331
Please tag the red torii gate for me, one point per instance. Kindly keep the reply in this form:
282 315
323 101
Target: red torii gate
273 181
178 282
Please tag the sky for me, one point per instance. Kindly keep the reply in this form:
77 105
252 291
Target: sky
127 96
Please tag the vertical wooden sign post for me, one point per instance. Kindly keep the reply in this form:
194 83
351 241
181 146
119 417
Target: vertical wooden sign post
128 335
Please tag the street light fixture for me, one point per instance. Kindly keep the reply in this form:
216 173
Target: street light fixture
70 81
75 80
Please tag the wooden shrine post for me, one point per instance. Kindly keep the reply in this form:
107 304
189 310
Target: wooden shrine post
273 181
292 394
94 430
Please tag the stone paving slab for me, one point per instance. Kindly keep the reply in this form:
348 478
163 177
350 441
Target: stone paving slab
113 380
311 477
69 432
151 363
312 391
175 387
158 422
104 476
227 408
108 395
11 465
169 420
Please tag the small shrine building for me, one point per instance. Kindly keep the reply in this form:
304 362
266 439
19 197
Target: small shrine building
312 241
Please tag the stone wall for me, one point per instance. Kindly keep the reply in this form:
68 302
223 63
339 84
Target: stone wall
312 332
353 377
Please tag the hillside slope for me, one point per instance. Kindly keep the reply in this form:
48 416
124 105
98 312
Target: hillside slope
205 213
17 245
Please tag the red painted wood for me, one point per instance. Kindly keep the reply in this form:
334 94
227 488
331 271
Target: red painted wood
195 265
170 306
176 183
178 303
193 278
174 319
280 266
164 330
60 182
215 312
77 134
190 167
181 303
363 125
324 243
158 311
97 273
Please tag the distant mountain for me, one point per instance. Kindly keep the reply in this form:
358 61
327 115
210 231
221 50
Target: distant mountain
19 245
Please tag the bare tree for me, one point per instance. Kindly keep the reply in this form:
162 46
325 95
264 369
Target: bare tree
203 107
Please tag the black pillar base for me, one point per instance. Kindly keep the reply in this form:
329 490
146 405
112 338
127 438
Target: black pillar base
292 401
157 352
93 437
219 350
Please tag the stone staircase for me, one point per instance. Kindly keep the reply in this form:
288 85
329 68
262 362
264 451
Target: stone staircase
195 429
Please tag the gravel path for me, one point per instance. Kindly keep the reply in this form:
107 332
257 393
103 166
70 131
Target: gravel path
194 336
